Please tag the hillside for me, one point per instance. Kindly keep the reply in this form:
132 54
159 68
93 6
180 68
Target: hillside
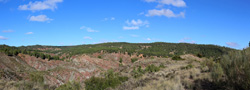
159 49
113 66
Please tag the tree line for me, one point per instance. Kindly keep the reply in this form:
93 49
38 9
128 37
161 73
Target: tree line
14 51
148 49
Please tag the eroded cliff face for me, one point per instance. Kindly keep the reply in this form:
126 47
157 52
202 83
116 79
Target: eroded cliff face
77 68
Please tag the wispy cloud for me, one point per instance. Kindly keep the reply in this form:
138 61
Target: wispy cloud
28 33
87 37
7 31
3 38
4 1
176 3
40 5
135 24
107 19
187 40
40 18
130 27
164 12
184 39
88 29
133 35
142 13
232 44
148 39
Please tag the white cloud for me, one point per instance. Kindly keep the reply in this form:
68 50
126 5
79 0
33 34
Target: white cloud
232 44
133 35
111 18
88 29
142 13
29 33
164 12
3 38
131 28
176 3
40 18
193 42
160 6
87 37
135 24
149 39
187 40
7 31
150 0
40 5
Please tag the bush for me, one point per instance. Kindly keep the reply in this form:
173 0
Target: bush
176 57
37 77
189 66
152 68
161 66
137 73
199 55
134 60
70 86
100 57
236 66
120 60
217 72
111 79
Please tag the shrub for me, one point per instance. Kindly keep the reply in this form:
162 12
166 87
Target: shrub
120 60
137 73
36 77
152 68
111 79
199 55
236 66
161 66
177 57
100 57
70 86
134 60
217 72
189 66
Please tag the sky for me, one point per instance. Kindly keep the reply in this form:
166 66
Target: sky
77 22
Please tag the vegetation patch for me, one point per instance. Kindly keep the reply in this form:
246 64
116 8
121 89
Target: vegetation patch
37 77
111 80
14 51
235 67
100 57
137 73
70 86
134 60
150 68
189 66
177 57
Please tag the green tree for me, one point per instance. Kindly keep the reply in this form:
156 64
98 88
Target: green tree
42 56
15 52
249 43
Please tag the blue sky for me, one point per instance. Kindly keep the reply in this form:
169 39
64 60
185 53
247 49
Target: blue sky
67 22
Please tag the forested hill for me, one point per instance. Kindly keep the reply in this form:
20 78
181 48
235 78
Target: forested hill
147 49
